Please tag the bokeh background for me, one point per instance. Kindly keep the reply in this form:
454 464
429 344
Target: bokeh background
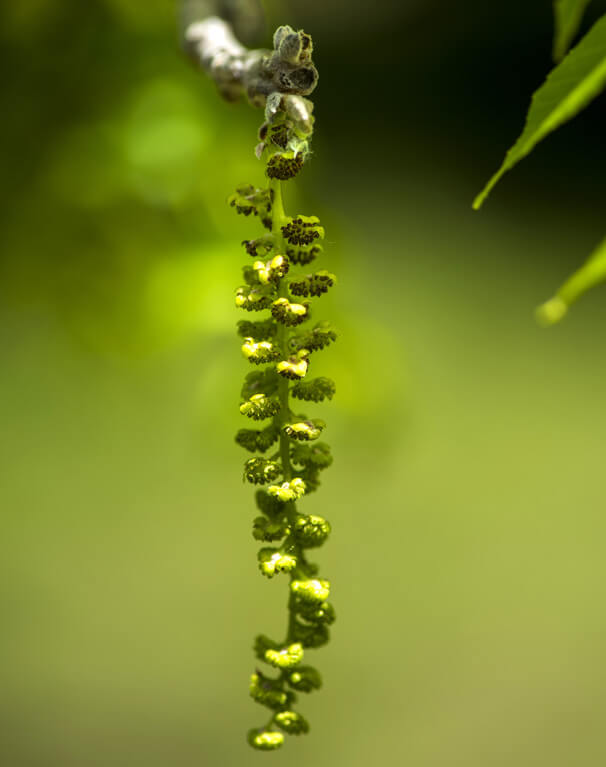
467 495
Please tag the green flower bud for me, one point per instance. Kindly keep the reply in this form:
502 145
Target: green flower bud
262 330
312 636
294 367
304 254
259 352
278 135
315 390
251 276
247 438
299 110
287 657
261 246
258 441
304 679
284 165
265 740
254 299
259 406
291 722
311 531
266 219
289 313
247 199
291 68
259 471
313 284
269 692
241 203
270 530
311 475
292 46
262 644
260 382
303 230
311 569
317 455
314 340
312 591
288 491
268 503
305 430
322 613
274 561
271 271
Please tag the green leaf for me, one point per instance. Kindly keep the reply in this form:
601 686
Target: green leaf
570 87
568 16
591 273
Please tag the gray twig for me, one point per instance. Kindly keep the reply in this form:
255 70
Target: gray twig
277 80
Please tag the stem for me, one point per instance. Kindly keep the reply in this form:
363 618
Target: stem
284 411
278 215
278 220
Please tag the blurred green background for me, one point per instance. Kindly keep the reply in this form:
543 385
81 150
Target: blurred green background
467 495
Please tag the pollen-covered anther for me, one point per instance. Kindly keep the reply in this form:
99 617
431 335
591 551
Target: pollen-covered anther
304 679
291 722
323 613
271 271
260 471
268 692
274 561
265 740
303 230
289 313
264 643
253 299
259 407
311 531
259 352
287 657
312 591
288 491
305 430
294 367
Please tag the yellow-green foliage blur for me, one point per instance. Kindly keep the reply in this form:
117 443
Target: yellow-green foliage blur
467 495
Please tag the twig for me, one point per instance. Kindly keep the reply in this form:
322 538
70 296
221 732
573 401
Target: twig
277 80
